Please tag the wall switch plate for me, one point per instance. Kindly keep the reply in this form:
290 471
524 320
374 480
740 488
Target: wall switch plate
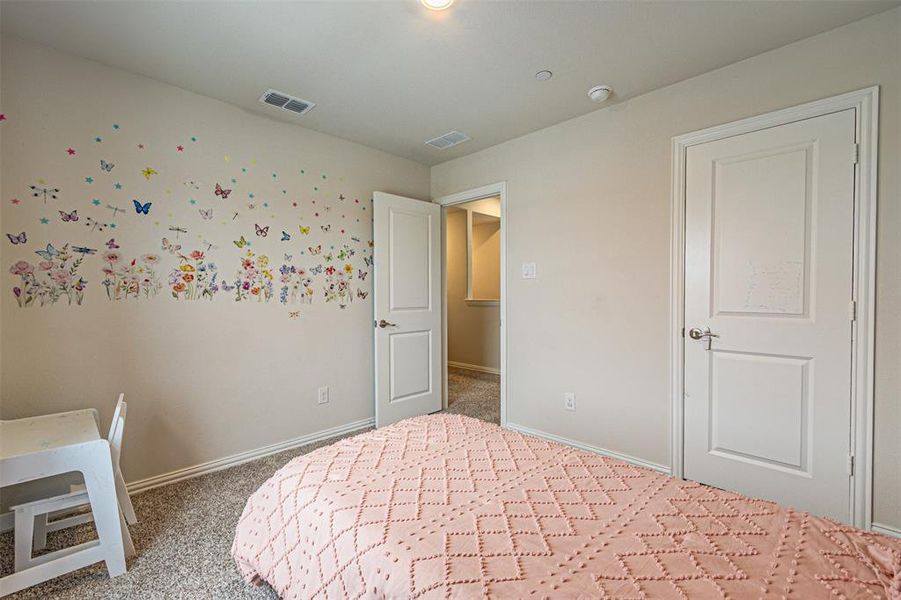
569 401
529 271
322 398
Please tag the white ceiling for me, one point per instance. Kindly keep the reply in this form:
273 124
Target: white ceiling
391 75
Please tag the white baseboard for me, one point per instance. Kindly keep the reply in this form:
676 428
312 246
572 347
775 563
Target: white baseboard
242 457
589 448
7 519
469 367
886 530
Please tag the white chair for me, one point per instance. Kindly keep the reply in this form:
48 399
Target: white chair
34 520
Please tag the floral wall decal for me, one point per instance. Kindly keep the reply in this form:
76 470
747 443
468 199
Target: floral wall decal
297 284
53 279
194 278
136 278
254 278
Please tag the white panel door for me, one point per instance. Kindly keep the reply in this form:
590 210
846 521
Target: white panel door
768 271
407 253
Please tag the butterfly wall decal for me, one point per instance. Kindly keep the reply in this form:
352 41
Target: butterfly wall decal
294 314
304 230
240 243
111 244
362 274
148 172
286 236
49 254
170 247
84 251
326 228
328 257
289 257
221 192
315 251
17 239
206 213
68 217
142 208
367 260
362 294
106 166
262 231
316 270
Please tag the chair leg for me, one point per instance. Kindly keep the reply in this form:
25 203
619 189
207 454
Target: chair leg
40 531
124 499
24 534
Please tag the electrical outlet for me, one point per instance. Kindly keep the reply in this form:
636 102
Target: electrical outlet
529 271
569 401
323 395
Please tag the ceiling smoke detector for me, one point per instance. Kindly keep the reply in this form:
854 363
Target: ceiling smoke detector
287 102
445 141
600 93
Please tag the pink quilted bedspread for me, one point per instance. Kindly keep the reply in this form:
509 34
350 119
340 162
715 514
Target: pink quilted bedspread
449 506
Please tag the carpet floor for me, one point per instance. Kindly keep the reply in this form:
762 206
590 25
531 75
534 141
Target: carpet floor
184 531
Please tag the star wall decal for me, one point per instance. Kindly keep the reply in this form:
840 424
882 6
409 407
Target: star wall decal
70 151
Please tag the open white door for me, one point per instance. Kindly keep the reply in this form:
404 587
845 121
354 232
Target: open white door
407 319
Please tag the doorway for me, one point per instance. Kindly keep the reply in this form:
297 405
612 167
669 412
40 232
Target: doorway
473 292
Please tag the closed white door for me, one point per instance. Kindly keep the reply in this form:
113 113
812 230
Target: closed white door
769 233
407 253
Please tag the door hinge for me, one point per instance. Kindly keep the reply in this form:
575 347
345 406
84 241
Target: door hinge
852 310
850 465
855 154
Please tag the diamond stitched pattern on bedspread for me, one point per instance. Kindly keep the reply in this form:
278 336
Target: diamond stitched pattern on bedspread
450 506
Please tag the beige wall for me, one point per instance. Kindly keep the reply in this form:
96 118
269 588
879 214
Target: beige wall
603 260
473 331
486 258
204 379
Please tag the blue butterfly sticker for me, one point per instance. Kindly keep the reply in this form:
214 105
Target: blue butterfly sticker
49 254
142 208
285 236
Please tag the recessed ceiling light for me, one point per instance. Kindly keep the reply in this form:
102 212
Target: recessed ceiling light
600 93
543 75
437 4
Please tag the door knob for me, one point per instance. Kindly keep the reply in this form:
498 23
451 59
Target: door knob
696 333
383 323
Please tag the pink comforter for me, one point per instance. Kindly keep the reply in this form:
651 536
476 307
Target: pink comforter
449 506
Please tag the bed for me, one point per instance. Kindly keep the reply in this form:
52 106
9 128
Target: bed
450 506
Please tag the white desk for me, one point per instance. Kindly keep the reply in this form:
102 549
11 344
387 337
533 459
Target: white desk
51 445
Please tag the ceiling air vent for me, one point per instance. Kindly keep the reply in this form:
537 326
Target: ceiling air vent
286 102
451 138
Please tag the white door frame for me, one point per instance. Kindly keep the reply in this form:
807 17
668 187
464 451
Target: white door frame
866 104
486 191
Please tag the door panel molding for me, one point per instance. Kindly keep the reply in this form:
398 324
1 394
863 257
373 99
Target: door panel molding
865 103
